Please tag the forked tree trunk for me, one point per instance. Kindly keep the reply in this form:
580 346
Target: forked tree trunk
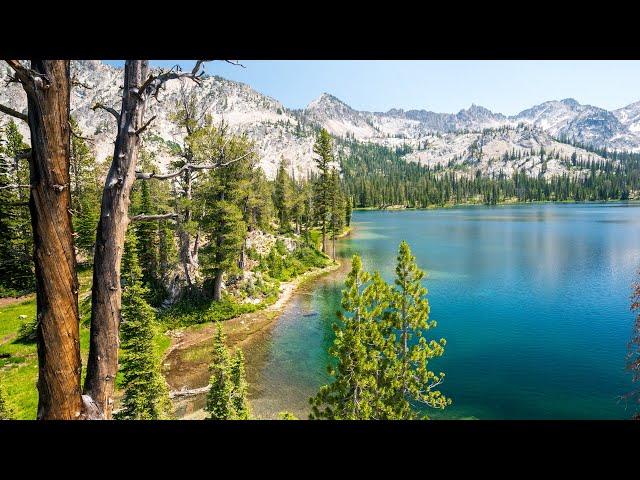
106 294
59 366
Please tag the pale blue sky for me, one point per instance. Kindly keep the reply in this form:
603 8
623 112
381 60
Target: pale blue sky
505 86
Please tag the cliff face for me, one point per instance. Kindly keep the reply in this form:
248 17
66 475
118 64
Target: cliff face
278 132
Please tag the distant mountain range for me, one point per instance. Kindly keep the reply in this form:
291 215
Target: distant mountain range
476 138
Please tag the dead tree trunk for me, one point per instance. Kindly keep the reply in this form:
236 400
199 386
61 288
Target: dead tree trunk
47 84
188 249
139 87
112 226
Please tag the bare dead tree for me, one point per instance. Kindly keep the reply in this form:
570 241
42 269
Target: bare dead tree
140 85
47 85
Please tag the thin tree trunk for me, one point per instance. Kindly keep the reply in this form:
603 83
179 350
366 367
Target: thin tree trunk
243 253
59 366
217 285
106 295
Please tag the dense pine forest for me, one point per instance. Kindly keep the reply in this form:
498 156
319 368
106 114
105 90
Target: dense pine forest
377 177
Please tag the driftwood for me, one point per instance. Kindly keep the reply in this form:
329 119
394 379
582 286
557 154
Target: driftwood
188 392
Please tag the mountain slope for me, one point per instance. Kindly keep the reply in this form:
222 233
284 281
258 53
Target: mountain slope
451 140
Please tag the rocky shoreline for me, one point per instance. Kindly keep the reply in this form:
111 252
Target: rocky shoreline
186 362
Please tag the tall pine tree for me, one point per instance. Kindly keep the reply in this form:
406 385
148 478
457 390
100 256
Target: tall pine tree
356 392
323 148
146 394
409 376
16 241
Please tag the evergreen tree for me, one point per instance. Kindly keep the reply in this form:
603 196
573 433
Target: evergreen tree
147 240
16 241
633 353
222 192
219 399
227 231
239 395
146 394
324 149
167 252
85 191
357 391
409 375
336 209
283 196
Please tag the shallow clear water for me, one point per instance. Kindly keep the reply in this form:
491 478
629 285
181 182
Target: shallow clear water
533 301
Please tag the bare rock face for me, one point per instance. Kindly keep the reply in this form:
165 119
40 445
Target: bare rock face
263 242
282 133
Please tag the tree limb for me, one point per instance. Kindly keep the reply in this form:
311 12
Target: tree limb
236 63
27 76
144 127
187 167
77 83
13 113
78 135
14 185
152 85
149 218
112 111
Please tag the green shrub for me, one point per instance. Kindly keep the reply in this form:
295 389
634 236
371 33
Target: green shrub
190 312
286 266
27 331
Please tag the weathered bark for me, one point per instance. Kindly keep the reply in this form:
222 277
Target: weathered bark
48 93
217 285
139 87
106 294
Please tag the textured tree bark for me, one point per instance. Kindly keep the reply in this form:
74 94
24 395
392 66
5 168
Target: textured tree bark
106 297
106 294
47 85
217 285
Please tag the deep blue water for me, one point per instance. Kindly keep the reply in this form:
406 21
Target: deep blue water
532 299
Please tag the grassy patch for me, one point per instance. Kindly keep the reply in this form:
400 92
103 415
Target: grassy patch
284 266
19 359
194 311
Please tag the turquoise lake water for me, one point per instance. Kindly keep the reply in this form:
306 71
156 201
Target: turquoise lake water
533 301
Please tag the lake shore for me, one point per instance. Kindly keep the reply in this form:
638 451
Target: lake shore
186 361
394 208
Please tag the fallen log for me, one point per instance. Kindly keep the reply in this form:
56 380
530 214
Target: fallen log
188 392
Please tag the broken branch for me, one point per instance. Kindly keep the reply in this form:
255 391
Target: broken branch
144 127
187 167
112 111
13 113
150 218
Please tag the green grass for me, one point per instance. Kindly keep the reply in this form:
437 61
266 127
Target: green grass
19 362
192 311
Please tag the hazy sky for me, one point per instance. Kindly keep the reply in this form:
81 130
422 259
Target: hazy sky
505 86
